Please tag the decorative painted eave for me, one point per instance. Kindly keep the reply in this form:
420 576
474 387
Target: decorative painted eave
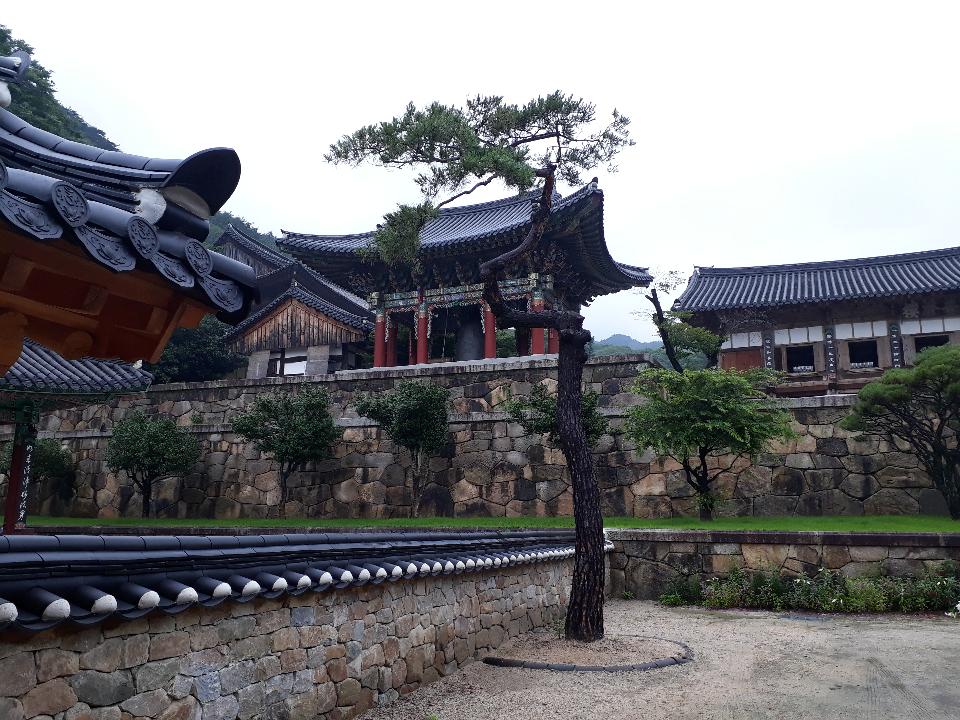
476 232
126 211
713 289
86 579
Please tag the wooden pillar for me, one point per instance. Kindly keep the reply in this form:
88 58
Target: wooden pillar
423 330
379 341
523 341
536 340
18 484
489 332
391 358
553 342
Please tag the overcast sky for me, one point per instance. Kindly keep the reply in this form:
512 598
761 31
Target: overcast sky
766 132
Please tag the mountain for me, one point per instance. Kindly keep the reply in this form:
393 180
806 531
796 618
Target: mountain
619 344
35 102
628 342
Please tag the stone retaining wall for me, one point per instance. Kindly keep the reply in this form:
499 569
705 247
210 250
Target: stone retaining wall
490 466
328 655
643 562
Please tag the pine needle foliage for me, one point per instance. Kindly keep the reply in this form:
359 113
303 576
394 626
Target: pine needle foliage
919 406
470 146
537 414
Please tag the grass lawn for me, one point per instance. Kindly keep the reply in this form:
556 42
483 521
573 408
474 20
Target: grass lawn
870 523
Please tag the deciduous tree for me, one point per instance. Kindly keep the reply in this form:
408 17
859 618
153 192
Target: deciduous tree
414 415
706 420
295 428
919 406
150 449
459 150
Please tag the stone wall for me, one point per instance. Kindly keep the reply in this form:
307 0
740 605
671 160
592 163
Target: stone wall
643 562
490 466
328 655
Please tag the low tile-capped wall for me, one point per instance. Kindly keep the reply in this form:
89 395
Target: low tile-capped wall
490 466
327 655
643 562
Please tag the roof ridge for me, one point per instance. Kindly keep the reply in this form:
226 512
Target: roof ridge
528 196
827 264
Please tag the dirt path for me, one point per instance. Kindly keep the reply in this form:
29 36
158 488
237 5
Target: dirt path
749 665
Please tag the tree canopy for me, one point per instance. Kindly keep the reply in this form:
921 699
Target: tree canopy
459 149
919 406
148 449
698 416
295 428
196 354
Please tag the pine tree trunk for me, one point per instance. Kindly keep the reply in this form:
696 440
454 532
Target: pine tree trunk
585 610
949 485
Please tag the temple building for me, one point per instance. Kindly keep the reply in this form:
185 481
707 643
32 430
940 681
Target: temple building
830 326
303 324
433 310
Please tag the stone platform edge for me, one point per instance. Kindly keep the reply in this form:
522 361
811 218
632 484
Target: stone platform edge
781 537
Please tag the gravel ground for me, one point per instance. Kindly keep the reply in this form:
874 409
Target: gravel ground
545 646
748 665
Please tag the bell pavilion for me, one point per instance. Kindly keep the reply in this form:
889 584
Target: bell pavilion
433 310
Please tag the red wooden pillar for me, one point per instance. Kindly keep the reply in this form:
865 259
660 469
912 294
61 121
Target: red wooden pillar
379 341
18 484
553 341
391 359
489 332
423 341
536 340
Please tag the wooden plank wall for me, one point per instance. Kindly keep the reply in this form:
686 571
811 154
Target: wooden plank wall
294 325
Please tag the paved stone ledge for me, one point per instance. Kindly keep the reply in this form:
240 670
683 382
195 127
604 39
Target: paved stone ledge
644 562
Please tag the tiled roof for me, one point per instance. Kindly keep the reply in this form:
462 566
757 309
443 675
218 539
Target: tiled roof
496 225
252 246
818 282
126 210
293 280
46 580
300 294
40 370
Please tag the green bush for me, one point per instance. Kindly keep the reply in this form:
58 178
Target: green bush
827 591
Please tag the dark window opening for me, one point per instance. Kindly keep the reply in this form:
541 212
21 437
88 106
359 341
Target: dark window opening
863 354
282 364
800 359
929 341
